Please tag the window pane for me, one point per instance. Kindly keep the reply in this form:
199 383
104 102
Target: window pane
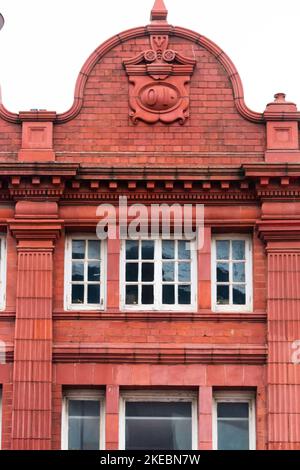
233 410
233 434
77 294
132 249
158 409
132 272
94 249
223 249
238 272
222 272
239 295
147 272
238 249
184 251
223 295
147 249
184 272
94 271
184 295
78 408
93 294
131 295
78 249
168 249
77 271
168 271
147 294
158 426
168 294
84 425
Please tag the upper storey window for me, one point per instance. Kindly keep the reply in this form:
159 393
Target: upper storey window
85 273
158 275
232 273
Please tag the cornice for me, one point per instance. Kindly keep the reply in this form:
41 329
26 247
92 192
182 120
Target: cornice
159 354
75 183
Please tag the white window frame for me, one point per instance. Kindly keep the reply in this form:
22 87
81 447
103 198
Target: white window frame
158 305
68 273
3 268
248 307
82 395
160 396
235 397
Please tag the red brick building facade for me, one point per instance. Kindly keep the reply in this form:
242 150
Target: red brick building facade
158 116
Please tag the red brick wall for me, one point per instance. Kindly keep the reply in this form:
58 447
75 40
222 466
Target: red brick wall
214 124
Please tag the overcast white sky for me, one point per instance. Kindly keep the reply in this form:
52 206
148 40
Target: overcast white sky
44 43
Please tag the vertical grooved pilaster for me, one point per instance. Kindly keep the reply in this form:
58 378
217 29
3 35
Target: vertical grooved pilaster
283 329
31 426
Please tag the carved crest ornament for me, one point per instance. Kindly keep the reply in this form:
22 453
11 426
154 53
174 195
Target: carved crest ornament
159 83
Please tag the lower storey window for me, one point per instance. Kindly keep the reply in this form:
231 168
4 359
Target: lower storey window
234 421
158 422
83 421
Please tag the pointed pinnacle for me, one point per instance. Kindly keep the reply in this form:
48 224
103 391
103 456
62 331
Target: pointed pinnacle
159 11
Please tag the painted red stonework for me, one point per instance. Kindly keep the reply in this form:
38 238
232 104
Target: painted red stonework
55 169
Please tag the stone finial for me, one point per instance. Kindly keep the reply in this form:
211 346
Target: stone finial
159 12
280 105
279 98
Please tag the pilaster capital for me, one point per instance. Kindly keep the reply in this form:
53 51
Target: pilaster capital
280 235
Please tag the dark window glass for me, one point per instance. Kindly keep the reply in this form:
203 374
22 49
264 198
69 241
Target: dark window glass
233 426
94 249
168 249
223 249
238 272
77 271
132 249
147 294
239 295
184 294
93 294
84 425
223 295
238 249
78 249
94 271
132 271
131 294
147 249
184 272
222 272
158 426
233 410
168 271
147 272
184 251
168 294
77 294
